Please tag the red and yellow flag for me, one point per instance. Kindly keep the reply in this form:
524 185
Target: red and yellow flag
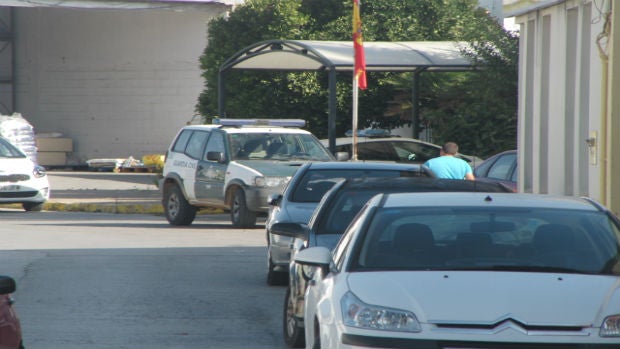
358 47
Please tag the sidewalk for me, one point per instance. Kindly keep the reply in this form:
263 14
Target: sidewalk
104 188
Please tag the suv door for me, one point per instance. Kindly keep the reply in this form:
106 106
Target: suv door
211 170
184 158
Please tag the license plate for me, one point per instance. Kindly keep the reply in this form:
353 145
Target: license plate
9 188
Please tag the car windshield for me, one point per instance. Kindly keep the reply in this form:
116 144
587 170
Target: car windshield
480 238
7 150
277 146
315 183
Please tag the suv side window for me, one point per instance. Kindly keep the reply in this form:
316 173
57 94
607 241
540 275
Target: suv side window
196 144
181 143
216 143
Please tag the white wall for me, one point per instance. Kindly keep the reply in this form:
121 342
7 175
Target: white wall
120 83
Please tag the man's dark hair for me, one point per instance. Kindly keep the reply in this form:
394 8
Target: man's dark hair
450 148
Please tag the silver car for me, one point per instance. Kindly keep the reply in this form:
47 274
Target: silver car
305 190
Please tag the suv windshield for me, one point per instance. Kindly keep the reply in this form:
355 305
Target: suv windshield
480 238
277 146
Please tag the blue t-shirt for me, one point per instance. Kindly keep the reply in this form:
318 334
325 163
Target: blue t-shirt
449 167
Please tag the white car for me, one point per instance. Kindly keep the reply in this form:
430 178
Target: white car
234 165
468 270
21 180
392 148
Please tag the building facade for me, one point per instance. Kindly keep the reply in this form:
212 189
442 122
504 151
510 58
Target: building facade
569 125
119 82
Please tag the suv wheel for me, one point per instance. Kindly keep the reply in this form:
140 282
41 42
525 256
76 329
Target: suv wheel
177 209
293 335
240 215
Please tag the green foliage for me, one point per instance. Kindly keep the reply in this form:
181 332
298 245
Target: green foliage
477 110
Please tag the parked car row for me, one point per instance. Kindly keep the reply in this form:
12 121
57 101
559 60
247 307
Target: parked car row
467 270
382 254
304 191
331 217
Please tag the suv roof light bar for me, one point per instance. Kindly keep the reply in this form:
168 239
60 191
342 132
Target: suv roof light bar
260 122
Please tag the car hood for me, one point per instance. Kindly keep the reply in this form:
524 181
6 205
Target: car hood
16 165
487 298
272 168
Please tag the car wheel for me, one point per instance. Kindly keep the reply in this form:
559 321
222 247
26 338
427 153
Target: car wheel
275 278
294 335
177 209
240 215
33 206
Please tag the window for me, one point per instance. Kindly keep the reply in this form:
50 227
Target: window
501 169
216 144
414 152
196 144
181 143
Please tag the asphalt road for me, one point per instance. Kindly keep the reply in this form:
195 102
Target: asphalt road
96 280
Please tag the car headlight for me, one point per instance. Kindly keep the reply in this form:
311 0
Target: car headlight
270 181
39 171
358 314
611 326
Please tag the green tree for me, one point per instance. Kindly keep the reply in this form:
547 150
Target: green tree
446 107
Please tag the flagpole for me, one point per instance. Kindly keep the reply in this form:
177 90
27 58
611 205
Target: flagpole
354 121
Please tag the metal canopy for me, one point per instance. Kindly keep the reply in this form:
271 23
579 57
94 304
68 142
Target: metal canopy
337 56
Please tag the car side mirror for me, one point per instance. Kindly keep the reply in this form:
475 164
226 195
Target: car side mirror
274 199
215 156
342 156
294 230
318 257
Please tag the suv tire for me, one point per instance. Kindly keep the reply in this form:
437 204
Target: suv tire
177 209
240 215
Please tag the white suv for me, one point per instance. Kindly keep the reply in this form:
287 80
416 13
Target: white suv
234 164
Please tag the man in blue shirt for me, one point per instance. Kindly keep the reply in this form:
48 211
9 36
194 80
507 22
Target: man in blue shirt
447 165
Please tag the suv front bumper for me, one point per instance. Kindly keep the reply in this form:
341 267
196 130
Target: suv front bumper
257 198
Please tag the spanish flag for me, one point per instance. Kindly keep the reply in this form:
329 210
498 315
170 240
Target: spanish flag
358 47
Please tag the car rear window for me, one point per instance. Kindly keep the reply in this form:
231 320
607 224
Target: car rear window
315 183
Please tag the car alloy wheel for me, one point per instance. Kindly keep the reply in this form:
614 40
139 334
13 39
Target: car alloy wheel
293 334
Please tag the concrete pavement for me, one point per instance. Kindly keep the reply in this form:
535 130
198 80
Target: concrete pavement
104 188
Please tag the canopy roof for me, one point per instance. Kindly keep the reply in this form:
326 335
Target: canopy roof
380 56
338 56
